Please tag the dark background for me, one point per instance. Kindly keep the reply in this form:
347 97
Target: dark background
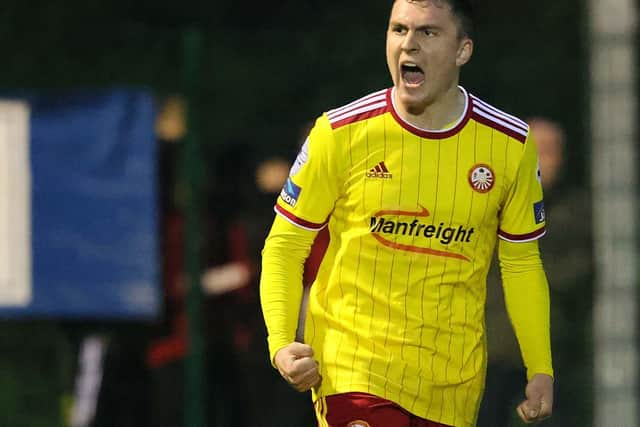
267 70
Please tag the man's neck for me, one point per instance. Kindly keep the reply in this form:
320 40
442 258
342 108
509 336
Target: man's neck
438 115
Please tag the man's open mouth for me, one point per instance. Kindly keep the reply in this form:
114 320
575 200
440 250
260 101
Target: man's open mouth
412 74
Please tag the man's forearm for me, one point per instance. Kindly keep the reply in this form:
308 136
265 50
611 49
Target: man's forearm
283 258
527 299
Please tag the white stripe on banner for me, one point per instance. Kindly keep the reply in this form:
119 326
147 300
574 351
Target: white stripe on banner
15 205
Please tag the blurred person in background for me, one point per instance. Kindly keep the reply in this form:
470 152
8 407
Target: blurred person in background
567 257
248 392
415 183
241 188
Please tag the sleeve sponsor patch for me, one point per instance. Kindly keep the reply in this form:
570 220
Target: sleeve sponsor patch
538 212
302 158
290 193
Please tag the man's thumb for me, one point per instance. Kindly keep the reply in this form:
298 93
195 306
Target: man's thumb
301 350
532 406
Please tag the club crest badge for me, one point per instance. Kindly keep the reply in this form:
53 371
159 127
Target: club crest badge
481 178
358 423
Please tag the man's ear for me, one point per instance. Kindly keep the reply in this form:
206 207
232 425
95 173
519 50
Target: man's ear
464 52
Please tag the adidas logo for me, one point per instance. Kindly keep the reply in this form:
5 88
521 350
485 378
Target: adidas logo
380 171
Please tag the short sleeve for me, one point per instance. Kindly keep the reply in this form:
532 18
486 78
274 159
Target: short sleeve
522 218
312 188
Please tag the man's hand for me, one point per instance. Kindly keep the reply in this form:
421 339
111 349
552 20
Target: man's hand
539 402
297 366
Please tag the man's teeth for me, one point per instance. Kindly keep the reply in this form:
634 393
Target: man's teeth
410 66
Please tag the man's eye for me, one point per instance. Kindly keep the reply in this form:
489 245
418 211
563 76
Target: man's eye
398 30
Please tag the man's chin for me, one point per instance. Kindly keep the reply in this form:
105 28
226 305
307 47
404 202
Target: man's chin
414 100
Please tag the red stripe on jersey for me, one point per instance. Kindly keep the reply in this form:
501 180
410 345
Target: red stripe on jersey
298 221
513 134
360 116
384 167
500 119
340 110
378 168
522 237
423 133
505 116
350 110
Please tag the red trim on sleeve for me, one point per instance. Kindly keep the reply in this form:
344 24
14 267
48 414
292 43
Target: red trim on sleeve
298 221
522 237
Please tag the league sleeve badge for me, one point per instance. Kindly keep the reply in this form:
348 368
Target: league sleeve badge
538 212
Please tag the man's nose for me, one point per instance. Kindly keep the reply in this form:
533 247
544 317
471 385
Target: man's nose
409 43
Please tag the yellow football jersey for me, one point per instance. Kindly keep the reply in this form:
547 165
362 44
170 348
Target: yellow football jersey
397 308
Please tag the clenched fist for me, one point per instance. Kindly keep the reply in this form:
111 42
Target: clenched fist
539 402
297 366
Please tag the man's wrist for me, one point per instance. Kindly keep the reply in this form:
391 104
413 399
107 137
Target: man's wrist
545 373
275 347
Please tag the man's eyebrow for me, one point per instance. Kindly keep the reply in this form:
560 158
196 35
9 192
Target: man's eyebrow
396 24
419 28
428 27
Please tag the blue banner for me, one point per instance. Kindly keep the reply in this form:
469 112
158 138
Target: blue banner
94 214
